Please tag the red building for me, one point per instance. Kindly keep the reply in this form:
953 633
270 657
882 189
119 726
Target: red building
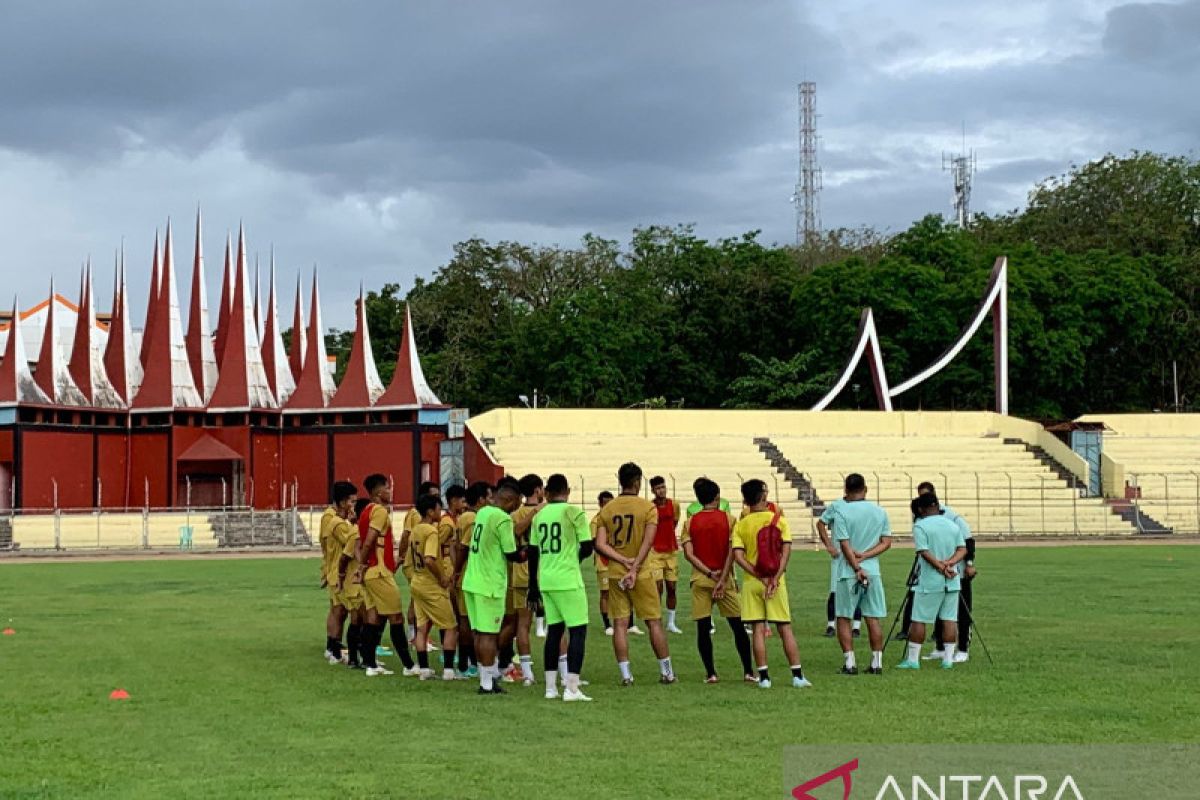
208 417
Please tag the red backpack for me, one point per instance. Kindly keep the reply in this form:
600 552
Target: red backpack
770 547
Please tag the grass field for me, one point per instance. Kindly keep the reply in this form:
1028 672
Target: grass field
230 697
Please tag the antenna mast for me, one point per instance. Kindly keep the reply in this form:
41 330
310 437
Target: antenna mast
808 212
961 167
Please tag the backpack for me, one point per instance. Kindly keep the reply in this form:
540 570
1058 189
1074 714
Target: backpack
770 547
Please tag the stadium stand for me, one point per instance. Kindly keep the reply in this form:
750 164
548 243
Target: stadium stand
1008 476
86 530
1157 457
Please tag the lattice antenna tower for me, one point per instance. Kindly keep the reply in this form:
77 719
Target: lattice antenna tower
808 187
961 167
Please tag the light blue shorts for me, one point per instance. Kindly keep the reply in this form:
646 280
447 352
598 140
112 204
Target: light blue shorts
928 607
851 595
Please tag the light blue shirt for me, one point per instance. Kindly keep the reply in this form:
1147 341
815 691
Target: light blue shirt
941 537
863 524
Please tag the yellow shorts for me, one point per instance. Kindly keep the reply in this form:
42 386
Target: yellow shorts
664 566
382 595
460 602
642 598
757 608
515 599
730 604
432 604
601 575
352 596
335 599
407 569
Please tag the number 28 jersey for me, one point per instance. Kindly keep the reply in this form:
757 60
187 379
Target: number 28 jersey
626 518
556 532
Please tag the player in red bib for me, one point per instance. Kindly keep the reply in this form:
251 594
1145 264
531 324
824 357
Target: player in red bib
664 557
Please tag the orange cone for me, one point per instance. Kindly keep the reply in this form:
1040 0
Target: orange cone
118 694
9 632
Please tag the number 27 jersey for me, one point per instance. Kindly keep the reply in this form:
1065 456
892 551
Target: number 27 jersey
626 517
556 532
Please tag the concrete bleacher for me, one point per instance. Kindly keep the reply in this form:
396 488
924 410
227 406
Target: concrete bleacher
87 530
1159 456
1007 476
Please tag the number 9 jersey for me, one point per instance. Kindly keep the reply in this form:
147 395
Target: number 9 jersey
556 532
626 518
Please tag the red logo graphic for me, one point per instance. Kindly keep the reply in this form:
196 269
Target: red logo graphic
801 792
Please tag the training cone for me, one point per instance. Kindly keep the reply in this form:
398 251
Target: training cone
118 694
9 632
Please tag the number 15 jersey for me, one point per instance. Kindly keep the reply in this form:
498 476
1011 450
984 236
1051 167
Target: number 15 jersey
626 518
556 532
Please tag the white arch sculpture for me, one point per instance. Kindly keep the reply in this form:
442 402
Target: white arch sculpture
995 300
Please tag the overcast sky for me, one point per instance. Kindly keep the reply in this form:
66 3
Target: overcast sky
369 138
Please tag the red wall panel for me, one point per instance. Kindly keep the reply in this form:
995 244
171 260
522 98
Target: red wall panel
305 461
478 462
356 455
111 462
50 456
431 452
268 490
149 464
6 445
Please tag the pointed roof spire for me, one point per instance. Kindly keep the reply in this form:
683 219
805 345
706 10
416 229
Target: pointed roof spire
87 363
315 386
360 386
51 371
226 302
299 337
199 338
16 383
409 389
279 374
258 328
120 361
243 382
168 374
151 306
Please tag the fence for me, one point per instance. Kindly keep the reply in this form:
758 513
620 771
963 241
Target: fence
1168 500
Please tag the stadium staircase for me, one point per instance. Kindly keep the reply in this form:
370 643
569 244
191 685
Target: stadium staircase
1162 475
258 528
6 540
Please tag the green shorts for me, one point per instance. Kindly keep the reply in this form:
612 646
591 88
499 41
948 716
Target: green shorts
849 596
486 613
566 605
929 607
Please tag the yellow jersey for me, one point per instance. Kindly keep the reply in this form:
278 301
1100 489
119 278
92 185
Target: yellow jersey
745 534
626 518
334 531
520 572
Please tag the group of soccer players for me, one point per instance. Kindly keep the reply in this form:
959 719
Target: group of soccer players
484 561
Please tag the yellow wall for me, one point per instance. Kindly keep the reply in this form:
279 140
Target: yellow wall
1112 476
1148 424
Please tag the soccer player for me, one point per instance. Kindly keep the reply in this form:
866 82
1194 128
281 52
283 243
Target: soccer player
335 531
624 537
968 575
863 533
940 547
351 594
477 495
835 569
433 578
485 584
664 559
602 564
563 539
705 542
411 520
376 556
520 615
764 594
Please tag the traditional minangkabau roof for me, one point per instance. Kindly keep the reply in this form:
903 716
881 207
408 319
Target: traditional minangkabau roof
87 362
226 302
151 307
360 386
275 360
200 351
16 383
121 362
408 388
315 386
243 382
51 371
299 343
168 373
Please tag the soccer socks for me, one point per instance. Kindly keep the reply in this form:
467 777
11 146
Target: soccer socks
948 653
914 651
670 618
857 624
830 618
353 631
551 659
506 657
607 621
850 662
575 648
797 671
422 658
626 673
704 645
371 636
447 654
742 640
410 631
664 667
563 669
763 675
485 677
527 668
400 646
876 659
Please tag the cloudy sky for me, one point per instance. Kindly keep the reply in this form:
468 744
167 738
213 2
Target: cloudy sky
367 138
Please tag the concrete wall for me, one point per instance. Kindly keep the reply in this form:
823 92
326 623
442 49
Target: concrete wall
1148 424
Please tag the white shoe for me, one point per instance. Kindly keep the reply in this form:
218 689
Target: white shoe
575 696
961 657
426 675
636 631
331 658
430 647
712 630
527 681
673 629
551 694
608 631
934 655
764 684
373 672
447 674
411 672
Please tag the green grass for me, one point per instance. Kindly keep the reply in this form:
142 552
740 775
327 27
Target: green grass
230 696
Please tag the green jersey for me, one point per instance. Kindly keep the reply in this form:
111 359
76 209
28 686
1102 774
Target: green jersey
863 524
697 507
941 538
491 538
556 532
